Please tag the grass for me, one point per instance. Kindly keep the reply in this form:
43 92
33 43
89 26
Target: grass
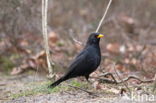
7 62
41 88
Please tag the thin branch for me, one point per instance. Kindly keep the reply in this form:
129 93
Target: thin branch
154 87
121 78
104 15
137 78
78 42
90 93
109 74
45 36
74 39
114 81
99 25
105 80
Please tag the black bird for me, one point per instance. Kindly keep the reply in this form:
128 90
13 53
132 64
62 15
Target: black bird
86 61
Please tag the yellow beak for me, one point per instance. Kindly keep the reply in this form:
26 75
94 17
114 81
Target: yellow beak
100 36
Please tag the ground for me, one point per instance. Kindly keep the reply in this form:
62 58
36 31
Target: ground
129 42
33 89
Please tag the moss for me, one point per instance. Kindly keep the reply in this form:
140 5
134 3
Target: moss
60 43
14 56
79 84
6 63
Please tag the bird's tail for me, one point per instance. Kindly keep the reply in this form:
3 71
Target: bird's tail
56 83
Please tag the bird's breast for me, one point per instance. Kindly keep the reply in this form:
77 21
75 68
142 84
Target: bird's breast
94 56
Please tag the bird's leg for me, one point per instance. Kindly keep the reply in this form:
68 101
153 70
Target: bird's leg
87 78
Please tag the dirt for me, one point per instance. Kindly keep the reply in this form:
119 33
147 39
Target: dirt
15 84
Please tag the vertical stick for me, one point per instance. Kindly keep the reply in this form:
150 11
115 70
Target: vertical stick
45 36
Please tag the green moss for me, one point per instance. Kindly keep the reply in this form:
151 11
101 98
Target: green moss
6 63
60 43
79 84
14 56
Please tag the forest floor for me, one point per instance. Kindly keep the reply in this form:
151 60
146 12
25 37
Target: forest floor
31 88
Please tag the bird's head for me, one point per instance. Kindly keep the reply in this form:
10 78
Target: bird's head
94 38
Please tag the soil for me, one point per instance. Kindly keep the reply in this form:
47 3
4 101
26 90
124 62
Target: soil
15 84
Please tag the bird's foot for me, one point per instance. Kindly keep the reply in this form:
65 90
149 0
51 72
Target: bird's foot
89 82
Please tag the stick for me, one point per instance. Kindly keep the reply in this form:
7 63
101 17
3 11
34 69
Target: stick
123 80
154 87
134 77
74 39
109 74
90 93
104 15
45 36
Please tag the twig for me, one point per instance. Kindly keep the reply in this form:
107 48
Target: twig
78 42
104 15
90 93
154 87
104 80
121 78
74 39
99 25
108 74
4 99
45 36
70 93
2 84
137 78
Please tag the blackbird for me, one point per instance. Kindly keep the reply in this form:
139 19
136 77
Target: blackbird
85 62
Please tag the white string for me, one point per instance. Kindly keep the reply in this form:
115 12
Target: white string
104 15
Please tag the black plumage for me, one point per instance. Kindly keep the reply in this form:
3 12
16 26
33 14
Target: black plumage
85 62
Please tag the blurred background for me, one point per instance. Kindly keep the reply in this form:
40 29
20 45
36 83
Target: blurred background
129 29
129 41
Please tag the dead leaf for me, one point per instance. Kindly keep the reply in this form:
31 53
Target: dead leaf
19 70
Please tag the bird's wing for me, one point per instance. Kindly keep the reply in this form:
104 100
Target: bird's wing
80 65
